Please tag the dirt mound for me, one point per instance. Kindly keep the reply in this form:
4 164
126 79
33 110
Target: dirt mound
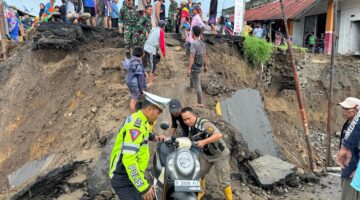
59 101
65 96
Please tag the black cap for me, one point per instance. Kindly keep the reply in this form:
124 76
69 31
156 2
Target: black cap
195 7
174 106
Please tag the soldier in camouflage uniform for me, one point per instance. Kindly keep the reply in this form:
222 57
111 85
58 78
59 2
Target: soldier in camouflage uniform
130 17
143 27
172 15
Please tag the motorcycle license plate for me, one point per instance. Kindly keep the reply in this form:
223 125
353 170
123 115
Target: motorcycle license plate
187 186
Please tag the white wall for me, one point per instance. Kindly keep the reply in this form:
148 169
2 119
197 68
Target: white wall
350 11
299 23
298 34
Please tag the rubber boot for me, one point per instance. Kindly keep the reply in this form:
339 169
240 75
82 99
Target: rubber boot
202 184
228 193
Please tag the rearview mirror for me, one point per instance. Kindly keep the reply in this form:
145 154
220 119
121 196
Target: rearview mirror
164 125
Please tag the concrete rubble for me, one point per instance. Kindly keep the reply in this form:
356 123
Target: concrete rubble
270 170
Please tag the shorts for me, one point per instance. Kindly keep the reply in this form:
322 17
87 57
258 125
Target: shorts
134 91
212 20
150 61
107 11
115 23
90 10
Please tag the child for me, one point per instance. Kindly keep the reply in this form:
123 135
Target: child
197 60
312 42
135 76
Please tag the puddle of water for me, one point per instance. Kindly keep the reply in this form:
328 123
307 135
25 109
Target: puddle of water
28 171
245 111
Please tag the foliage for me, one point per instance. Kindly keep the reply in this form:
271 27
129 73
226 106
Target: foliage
257 51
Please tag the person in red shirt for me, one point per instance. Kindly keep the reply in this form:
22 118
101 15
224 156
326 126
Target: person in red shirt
155 41
184 19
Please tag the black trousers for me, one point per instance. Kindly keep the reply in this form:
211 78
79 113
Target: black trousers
115 22
127 193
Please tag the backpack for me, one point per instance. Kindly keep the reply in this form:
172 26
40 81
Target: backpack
131 67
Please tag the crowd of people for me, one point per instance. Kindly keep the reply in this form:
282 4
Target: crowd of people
109 14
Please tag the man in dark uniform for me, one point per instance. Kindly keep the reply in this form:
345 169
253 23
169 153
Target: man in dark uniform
215 153
176 119
130 154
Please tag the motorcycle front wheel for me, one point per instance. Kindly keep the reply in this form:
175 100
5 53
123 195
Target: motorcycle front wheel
184 195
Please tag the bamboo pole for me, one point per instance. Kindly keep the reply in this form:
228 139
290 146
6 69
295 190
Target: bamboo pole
3 32
331 88
298 92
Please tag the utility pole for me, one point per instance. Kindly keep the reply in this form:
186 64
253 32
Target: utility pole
298 92
2 31
331 88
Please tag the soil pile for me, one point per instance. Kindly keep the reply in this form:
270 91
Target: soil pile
66 97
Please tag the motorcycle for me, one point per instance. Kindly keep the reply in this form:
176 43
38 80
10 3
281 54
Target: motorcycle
177 169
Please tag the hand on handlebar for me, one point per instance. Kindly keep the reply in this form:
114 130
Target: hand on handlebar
201 144
150 195
160 138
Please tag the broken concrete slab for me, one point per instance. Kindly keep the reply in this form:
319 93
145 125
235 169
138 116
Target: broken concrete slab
53 35
29 170
77 194
269 170
106 194
77 181
45 185
245 111
98 176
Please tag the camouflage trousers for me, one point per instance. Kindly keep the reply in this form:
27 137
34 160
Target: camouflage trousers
129 34
139 40
172 26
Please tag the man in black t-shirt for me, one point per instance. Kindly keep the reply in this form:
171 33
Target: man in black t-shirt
176 119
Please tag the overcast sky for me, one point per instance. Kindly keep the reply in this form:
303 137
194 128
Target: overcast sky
33 5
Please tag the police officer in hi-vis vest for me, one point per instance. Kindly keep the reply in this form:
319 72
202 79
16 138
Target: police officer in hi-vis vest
130 154
215 153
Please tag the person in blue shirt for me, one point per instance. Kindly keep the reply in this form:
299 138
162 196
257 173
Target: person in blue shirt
114 14
42 9
258 31
135 77
14 25
349 140
89 7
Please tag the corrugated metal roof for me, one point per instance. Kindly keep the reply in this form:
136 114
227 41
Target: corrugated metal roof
273 11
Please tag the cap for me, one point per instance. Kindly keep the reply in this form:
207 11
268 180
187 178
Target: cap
158 101
350 102
195 7
174 106
183 2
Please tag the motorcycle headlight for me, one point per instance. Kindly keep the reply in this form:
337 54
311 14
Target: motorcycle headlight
185 163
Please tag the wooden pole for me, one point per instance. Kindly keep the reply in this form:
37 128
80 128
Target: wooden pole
270 39
3 32
298 92
331 89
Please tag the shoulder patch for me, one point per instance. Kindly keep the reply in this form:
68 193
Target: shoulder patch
138 122
210 129
134 134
